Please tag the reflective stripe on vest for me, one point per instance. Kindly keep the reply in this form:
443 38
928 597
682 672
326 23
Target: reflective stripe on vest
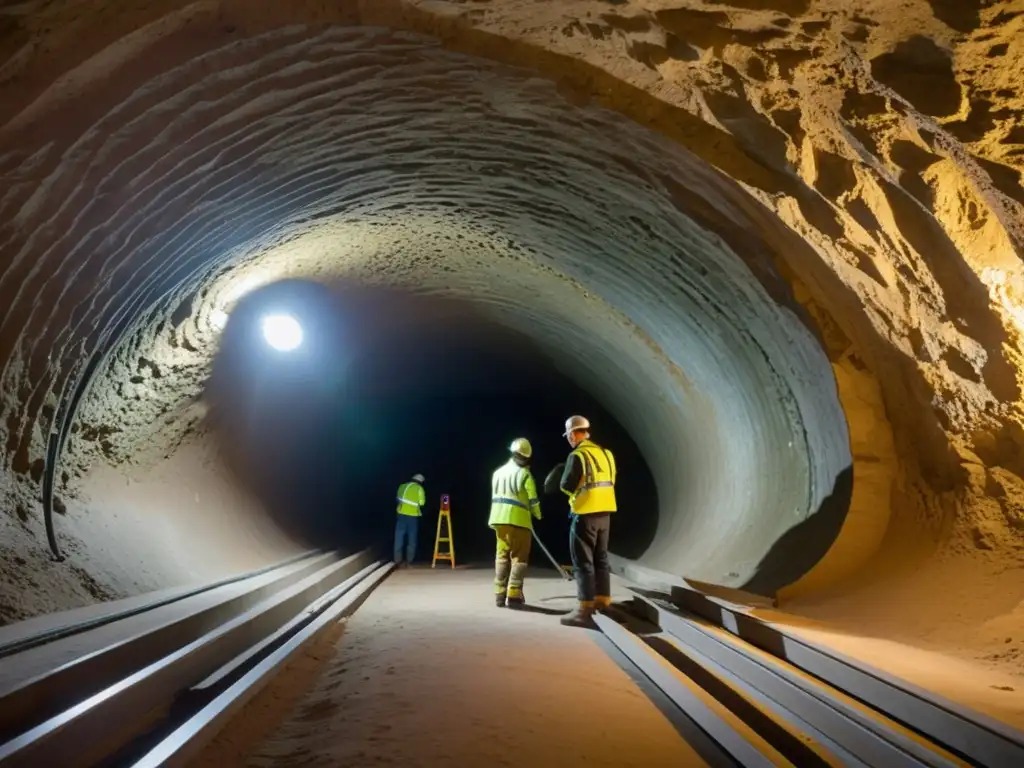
508 486
408 506
513 496
596 491
506 500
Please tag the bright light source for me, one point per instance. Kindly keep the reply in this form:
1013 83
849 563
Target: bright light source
282 332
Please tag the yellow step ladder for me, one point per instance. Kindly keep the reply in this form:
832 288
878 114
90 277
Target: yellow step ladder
445 518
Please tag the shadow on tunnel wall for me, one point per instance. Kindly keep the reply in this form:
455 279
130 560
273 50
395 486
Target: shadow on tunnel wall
801 547
387 384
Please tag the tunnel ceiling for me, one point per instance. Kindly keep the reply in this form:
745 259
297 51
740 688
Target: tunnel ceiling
634 173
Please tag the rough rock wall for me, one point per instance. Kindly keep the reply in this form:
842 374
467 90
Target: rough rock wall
886 137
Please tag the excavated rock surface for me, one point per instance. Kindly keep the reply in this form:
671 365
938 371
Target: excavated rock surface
874 151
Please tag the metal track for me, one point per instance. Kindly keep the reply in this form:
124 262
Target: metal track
976 738
118 650
68 630
181 745
114 706
785 702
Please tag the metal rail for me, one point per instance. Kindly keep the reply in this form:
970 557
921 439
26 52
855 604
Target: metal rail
973 736
687 697
32 701
793 704
78 627
146 682
189 738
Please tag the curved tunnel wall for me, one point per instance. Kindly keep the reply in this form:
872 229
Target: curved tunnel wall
567 224
902 213
877 154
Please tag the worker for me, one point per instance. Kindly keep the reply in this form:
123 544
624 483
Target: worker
589 481
411 498
514 505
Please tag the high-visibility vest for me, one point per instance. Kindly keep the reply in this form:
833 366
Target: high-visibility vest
514 498
410 498
596 490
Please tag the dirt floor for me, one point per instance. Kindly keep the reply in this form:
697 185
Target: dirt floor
428 672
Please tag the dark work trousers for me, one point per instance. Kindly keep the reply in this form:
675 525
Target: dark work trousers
407 531
588 542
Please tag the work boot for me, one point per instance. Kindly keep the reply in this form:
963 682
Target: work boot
581 617
499 600
516 602
602 602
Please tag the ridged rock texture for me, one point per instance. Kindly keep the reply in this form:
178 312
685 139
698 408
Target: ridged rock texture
783 237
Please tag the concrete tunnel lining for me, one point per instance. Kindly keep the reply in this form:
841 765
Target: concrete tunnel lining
588 244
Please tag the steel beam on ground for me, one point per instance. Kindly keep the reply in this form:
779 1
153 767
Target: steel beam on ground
33 701
846 722
973 736
671 682
185 743
101 724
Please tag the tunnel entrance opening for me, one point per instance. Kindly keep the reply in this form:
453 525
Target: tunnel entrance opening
388 384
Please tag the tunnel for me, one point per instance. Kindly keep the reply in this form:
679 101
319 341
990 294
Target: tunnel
771 249
387 385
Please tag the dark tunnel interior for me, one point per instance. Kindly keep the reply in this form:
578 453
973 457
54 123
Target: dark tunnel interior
386 384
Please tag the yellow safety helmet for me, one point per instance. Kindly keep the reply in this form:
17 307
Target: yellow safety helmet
522 447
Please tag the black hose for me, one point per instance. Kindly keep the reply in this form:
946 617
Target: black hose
64 418
551 482
55 446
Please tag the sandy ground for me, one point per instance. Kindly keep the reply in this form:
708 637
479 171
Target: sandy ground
429 672
951 621
957 605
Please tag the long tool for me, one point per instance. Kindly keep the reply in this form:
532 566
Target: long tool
554 562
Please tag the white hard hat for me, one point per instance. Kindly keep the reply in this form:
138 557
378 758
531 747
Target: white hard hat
521 446
576 424
419 478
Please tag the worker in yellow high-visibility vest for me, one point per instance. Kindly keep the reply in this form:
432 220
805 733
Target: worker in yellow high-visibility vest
514 505
411 498
589 482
